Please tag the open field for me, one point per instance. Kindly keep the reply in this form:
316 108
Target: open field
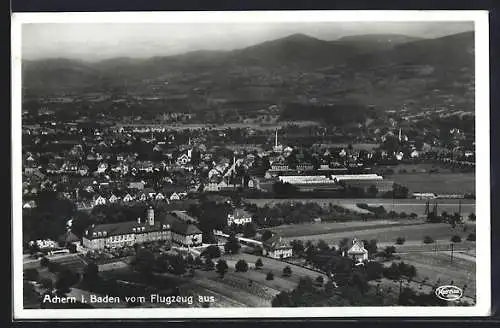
417 168
441 270
441 231
309 229
441 183
399 205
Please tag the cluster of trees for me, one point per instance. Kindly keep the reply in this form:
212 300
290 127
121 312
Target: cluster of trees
49 218
211 215
398 192
356 291
66 278
317 292
147 263
248 229
300 212
284 189
400 270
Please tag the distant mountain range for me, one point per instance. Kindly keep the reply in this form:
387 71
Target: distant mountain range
370 69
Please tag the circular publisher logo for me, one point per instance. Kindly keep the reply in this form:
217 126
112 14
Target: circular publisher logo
449 293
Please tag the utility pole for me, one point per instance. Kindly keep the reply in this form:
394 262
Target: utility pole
400 290
452 253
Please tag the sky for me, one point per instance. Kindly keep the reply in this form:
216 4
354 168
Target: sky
98 41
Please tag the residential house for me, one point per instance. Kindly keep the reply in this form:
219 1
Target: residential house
102 167
99 200
83 170
127 198
357 251
276 248
30 204
182 160
175 196
239 217
113 198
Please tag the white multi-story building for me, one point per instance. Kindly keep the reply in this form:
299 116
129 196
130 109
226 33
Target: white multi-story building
167 228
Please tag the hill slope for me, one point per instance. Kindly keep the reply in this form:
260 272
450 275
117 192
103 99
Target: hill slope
295 69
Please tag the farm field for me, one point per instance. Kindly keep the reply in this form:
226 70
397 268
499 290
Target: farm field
437 231
303 229
440 183
439 269
399 205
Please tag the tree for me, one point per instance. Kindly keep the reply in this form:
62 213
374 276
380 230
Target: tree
72 248
249 230
471 237
323 246
47 284
270 276
259 264
428 240
266 234
178 265
65 279
297 246
472 217
232 245
221 268
44 262
373 270
212 252
189 260
209 264
456 239
389 251
283 299
198 262
90 274
329 288
370 246
343 244
241 266
31 274
319 280
372 191
144 262
400 240
287 271
305 284
311 252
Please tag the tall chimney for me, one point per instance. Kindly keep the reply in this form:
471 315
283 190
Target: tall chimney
276 138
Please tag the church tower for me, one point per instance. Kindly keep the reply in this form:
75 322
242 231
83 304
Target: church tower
151 216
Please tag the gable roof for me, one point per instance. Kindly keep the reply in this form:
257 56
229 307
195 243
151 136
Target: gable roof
357 248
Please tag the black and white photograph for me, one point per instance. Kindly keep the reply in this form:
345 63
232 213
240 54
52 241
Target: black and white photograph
250 164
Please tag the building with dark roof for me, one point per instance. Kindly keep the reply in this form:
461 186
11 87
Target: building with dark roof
166 227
